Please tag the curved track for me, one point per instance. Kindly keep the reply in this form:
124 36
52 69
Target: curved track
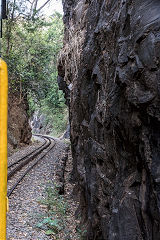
24 165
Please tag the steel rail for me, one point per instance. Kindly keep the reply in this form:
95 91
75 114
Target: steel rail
26 156
29 169
26 160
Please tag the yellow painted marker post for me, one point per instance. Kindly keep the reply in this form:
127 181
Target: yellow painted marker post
3 147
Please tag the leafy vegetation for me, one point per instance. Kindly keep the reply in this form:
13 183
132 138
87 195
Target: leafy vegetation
56 205
31 44
55 222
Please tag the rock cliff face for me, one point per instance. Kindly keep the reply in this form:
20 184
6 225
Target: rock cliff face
39 124
19 131
111 63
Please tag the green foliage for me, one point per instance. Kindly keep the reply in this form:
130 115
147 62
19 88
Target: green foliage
58 117
30 48
50 225
81 233
56 205
32 52
54 221
55 202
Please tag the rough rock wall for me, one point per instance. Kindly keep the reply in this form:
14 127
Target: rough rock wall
19 131
39 124
111 61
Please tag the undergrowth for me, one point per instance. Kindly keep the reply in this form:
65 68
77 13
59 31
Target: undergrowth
56 211
54 224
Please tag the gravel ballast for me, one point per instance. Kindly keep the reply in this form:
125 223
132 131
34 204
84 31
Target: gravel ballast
25 209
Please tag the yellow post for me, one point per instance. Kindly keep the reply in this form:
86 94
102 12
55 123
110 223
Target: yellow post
3 147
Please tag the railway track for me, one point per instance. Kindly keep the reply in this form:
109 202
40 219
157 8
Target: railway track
20 168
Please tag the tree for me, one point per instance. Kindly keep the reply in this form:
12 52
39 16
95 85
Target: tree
30 47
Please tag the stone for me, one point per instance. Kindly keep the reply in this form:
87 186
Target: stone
112 61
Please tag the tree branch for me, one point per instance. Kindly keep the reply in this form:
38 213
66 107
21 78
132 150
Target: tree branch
43 6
